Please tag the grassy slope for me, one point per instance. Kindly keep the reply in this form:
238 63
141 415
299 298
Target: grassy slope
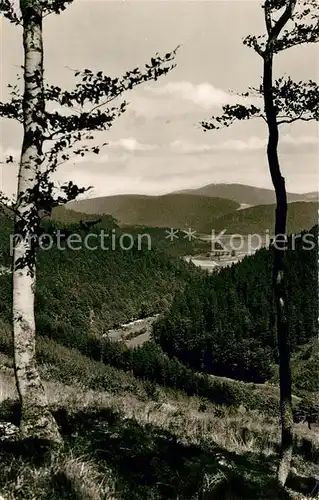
174 210
124 439
259 219
305 368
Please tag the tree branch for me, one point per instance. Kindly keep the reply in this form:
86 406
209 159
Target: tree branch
282 21
268 19
296 118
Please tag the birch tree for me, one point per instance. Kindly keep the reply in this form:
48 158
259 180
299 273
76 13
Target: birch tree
51 138
288 23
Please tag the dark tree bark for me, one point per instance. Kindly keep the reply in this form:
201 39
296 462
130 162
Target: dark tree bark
279 245
289 23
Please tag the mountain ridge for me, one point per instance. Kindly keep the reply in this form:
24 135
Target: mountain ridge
203 211
170 210
246 194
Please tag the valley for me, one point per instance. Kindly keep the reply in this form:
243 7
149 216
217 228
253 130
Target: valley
127 349
134 333
226 250
159 250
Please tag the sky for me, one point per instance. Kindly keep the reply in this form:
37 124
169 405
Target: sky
158 146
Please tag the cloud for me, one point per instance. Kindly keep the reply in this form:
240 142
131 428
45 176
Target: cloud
204 95
130 144
253 143
148 106
6 152
158 174
184 147
300 140
117 151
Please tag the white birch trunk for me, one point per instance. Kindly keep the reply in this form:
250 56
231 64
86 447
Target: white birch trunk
36 419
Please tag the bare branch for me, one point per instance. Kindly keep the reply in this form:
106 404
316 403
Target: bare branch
296 118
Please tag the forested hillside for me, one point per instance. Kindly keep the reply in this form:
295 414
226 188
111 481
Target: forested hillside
113 285
135 363
261 218
83 290
172 210
224 324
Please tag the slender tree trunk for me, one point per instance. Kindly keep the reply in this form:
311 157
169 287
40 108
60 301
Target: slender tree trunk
278 275
36 419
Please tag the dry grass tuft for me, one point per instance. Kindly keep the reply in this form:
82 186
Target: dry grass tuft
67 476
191 419
85 481
240 431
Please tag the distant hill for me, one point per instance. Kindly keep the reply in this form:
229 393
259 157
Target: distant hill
313 196
248 195
260 218
172 210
